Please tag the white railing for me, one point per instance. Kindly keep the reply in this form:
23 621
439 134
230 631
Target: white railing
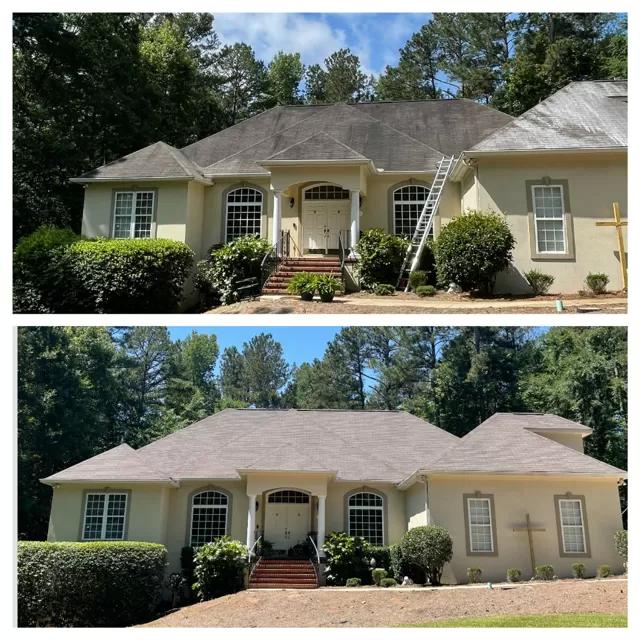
316 549
253 546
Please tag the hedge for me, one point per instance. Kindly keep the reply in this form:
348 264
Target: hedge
89 584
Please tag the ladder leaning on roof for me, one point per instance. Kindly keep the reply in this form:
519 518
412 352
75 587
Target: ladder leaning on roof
425 221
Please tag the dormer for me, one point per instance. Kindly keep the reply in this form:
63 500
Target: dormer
570 434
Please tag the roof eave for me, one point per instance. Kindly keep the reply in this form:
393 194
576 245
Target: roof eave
52 482
472 153
612 474
200 179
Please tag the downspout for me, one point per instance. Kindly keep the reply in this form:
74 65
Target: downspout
427 507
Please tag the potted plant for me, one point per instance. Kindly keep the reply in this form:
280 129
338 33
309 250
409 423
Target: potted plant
302 284
327 286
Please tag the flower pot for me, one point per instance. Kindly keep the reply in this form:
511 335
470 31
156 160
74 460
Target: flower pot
306 295
327 297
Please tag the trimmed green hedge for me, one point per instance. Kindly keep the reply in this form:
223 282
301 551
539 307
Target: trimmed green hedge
89 584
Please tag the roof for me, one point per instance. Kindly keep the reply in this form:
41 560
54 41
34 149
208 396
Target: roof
507 443
544 422
120 463
158 160
582 115
319 146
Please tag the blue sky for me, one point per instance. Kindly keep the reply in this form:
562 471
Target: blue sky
374 37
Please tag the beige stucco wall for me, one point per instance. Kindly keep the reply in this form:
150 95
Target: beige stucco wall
571 440
514 497
595 182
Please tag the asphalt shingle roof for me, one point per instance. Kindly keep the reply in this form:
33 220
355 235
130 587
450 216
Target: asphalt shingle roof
582 115
319 146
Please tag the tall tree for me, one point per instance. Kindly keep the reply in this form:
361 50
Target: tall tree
315 80
345 81
284 75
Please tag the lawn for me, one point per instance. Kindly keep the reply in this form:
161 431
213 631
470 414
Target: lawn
540 620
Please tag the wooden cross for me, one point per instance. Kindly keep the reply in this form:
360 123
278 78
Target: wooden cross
530 530
618 223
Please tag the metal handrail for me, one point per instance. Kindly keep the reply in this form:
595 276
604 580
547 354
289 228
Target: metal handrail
278 252
253 546
316 548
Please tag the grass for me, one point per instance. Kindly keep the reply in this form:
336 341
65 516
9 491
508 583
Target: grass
539 620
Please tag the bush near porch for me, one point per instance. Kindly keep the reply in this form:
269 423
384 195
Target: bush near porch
219 568
89 584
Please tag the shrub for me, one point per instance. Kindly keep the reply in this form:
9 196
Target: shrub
472 249
217 278
380 257
620 539
377 575
577 569
127 276
540 282
604 571
353 582
219 568
426 290
302 284
327 286
388 582
428 547
346 558
597 282
474 574
399 567
384 290
38 277
89 584
418 279
544 572
514 575
381 556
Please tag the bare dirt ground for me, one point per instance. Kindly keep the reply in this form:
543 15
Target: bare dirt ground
440 303
379 607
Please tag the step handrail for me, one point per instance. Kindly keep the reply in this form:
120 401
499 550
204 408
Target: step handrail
253 546
316 549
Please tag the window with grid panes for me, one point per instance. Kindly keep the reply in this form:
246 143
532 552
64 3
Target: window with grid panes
408 202
548 212
365 512
326 192
572 524
288 497
480 525
133 214
244 213
209 512
104 516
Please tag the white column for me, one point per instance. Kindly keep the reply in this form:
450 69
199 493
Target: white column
251 522
355 219
277 216
321 521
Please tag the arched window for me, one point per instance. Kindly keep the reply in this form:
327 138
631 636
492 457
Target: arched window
408 201
243 210
209 513
365 513
326 192
288 496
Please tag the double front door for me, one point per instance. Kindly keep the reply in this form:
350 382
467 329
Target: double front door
287 519
322 222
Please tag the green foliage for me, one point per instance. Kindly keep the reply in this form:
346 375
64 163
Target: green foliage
327 286
381 556
604 571
544 572
426 290
384 290
388 582
597 282
284 74
219 568
217 278
620 540
377 575
341 80
346 558
38 276
578 569
540 282
472 249
353 582
430 548
89 584
418 279
303 284
474 574
380 257
514 575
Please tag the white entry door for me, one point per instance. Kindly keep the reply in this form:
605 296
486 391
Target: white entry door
287 519
322 221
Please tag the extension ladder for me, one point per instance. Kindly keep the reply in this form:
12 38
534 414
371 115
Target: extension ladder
425 221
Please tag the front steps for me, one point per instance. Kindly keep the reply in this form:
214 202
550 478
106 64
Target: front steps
283 573
278 281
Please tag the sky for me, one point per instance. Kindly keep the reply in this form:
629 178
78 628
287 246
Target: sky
374 37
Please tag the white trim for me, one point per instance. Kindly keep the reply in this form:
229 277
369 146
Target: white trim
104 515
535 219
132 213
581 526
471 524
380 508
193 507
142 179
559 150
325 184
226 209
418 202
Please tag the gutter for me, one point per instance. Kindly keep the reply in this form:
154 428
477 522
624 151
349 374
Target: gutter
559 150
56 483
202 180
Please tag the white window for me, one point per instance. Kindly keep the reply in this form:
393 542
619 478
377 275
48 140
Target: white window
209 512
548 212
365 513
133 214
288 496
572 526
243 213
408 202
480 525
326 192
104 516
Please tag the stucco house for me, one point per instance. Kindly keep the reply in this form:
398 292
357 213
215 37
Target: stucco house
516 491
321 174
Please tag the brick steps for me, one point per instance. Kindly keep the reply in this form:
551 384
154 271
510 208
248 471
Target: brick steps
278 281
283 574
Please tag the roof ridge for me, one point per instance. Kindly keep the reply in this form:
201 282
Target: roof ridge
181 159
313 135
